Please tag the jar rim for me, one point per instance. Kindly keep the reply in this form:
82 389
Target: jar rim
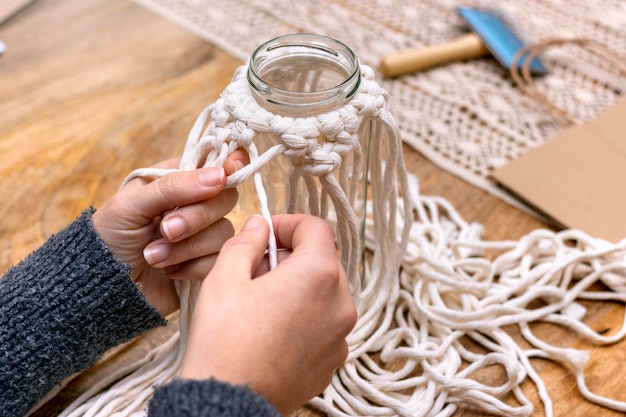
331 49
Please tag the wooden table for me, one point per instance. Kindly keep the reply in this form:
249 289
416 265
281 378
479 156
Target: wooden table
90 90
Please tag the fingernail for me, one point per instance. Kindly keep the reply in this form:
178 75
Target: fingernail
153 254
253 222
174 227
211 177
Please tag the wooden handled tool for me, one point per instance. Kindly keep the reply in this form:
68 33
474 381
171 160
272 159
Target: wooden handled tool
466 47
490 35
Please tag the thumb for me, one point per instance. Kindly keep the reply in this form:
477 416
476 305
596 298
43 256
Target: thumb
241 255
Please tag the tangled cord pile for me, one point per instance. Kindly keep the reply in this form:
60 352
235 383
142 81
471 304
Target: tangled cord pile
427 287
448 291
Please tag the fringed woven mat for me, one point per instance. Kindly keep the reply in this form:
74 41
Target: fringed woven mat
468 117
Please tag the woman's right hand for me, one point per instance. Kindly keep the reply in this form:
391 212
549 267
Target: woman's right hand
281 333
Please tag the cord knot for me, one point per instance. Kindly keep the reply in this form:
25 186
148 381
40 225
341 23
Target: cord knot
321 162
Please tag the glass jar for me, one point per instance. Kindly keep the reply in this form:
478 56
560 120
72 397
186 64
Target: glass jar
303 84
303 75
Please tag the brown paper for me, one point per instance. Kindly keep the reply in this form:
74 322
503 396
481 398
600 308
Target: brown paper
578 178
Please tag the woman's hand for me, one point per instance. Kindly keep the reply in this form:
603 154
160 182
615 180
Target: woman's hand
171 227
282 333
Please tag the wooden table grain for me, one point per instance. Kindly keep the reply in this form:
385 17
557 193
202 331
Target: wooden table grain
90 90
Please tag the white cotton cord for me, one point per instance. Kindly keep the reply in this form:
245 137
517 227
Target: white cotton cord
542 259
265 212
327 156
347 226
134 390
574 361
427 289
147 173
75 410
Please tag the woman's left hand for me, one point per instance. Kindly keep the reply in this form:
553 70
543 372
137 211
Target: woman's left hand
171 227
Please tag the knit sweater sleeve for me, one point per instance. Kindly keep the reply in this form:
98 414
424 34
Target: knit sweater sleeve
208 398
61 309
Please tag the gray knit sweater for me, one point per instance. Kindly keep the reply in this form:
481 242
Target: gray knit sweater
68 303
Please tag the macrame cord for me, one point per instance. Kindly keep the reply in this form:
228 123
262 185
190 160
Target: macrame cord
436 302
326 147
524 80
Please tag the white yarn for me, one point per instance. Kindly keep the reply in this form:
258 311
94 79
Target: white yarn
447 291
427 287
324 147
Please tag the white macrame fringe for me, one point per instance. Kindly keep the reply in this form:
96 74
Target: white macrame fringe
427 285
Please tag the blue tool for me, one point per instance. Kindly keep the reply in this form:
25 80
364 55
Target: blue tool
498 37
490 34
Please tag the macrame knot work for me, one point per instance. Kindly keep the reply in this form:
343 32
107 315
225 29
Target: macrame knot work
438 306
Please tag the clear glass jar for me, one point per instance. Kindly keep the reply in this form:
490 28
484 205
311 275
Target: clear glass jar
303 75
304 78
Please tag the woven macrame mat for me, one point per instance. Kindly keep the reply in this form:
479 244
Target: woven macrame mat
468 118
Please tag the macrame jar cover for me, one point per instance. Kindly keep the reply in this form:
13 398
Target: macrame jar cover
428 288
326 144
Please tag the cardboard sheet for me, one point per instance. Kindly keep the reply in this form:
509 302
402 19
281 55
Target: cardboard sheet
578 178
